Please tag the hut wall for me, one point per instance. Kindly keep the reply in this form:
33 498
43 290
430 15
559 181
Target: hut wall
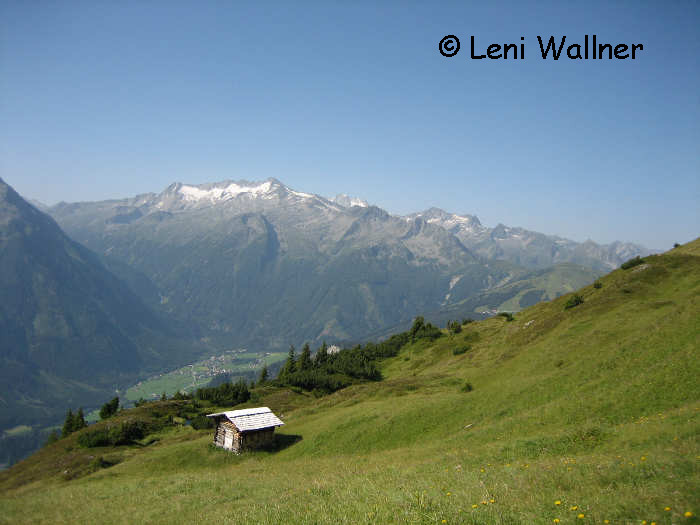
224 427
257 438
219 434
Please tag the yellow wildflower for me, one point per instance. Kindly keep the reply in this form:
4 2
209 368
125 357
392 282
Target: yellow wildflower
556 520
492 500
558 502
581 516
574 507
688 514
449 494
444 521
667 509
475 506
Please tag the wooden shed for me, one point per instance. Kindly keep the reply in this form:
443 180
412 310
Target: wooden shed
246 429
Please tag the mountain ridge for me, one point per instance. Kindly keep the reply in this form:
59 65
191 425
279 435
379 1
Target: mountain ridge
349 268
180 196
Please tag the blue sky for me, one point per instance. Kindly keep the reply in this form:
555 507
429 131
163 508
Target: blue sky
109 99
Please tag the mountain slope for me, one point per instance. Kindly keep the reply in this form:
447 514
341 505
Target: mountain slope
69 329
581 415
528 248
239 257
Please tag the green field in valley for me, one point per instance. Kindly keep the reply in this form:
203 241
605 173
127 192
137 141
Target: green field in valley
588 414
235 363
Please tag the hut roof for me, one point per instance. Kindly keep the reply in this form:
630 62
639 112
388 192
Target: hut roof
251 418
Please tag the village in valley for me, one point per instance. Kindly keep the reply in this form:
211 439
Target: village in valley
233 363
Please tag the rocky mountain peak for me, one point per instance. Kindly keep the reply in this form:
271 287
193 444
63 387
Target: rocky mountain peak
347 201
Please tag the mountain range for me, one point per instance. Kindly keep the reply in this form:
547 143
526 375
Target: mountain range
237 257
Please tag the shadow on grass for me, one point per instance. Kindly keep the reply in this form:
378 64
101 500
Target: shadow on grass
282 441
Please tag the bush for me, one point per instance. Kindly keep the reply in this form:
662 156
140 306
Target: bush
509 316
201 422
467 320
467 387
95 438
122 434
597 285
632 263
454 327
127 432
109 409
423 330
676 245
460 350
575 300
53 437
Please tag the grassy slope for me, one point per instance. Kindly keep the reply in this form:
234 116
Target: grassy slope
597 407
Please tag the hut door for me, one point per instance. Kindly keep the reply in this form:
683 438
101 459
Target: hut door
228 439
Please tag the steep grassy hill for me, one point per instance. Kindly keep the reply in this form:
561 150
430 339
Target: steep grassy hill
586 414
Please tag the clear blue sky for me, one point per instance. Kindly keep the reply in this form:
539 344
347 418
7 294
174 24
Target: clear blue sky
110 99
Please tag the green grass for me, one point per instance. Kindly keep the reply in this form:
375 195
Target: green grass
596 406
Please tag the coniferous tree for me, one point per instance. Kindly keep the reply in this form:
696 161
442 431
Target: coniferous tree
109 409
262 379
305 358
79 420
67 424
418 325
290 366
321 357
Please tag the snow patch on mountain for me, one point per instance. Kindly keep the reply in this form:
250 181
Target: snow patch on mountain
348 202
451 221
197 193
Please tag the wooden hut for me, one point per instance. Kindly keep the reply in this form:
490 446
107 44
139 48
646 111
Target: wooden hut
246 429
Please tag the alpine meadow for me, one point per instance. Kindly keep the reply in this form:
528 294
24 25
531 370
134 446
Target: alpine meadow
584 414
